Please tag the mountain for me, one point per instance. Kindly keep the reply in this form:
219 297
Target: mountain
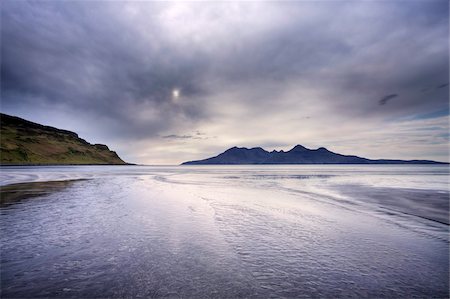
297 155
23 142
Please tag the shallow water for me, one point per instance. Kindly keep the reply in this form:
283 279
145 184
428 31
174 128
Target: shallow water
227 231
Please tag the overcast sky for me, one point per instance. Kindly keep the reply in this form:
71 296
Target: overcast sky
163 83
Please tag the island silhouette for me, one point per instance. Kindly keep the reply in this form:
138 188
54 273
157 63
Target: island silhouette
297 155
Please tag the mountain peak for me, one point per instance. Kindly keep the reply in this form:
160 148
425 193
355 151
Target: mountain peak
297 148
259 149
232 148
235 149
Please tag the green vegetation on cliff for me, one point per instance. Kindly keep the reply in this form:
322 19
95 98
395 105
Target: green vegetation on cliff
25 142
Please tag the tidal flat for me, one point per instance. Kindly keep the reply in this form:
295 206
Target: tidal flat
225 231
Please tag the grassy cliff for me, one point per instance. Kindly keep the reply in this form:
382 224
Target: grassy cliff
25 142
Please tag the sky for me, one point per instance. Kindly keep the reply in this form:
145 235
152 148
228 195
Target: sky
168 82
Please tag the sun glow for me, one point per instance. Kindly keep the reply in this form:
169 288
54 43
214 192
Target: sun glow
176 93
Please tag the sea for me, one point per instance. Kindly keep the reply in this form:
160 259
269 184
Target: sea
253 231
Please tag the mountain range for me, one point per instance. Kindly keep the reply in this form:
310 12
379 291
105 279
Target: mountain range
23 142
297 155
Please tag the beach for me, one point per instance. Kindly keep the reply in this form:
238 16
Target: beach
225 231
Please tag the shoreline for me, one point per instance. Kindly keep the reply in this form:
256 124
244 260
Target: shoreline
15 165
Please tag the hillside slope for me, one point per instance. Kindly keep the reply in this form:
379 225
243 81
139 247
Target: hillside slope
23 142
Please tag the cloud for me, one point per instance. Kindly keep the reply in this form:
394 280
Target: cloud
253 73
197 135
387 98
173 136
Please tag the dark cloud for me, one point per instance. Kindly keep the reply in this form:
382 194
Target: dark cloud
387 98
84 57
113 66
173 136
197 135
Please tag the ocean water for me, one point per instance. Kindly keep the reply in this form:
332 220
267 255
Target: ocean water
226 231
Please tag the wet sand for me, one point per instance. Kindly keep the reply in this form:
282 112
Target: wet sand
224 232
14 193
427 204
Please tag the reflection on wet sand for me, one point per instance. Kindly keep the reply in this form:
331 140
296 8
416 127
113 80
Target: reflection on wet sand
427 204
16 192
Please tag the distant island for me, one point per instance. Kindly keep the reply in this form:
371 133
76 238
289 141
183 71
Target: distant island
297 155
23 142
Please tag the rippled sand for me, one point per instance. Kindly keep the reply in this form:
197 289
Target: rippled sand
246 231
